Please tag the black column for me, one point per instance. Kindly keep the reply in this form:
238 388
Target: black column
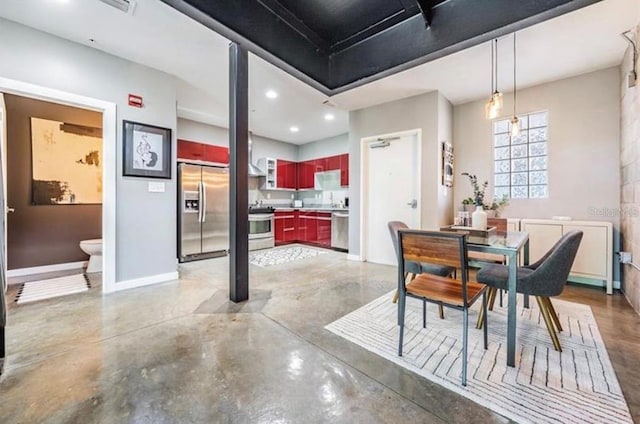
239 173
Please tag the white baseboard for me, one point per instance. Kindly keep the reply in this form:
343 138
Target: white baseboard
21 272
354 258
145 281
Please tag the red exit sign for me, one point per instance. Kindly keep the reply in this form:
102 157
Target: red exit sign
135 100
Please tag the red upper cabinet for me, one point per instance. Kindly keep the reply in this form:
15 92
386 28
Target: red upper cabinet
286 172
218 154
305 173
344 170
190 150
333 163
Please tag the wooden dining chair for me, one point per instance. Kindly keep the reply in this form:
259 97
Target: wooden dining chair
444 249
543 279
413 269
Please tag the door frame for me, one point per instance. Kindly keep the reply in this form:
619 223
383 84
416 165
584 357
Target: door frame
109 162
364 182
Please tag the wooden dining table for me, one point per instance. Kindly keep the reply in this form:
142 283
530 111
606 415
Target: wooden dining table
509 245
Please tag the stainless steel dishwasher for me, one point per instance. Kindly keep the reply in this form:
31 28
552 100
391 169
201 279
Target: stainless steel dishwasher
340 230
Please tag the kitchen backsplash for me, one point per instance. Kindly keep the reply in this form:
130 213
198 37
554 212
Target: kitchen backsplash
283 198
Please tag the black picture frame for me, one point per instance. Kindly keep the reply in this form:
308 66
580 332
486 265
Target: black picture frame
146 150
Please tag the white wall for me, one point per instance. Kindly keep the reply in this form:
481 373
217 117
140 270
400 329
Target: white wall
146 222
584 136
332 146
583 147
445 134
418 112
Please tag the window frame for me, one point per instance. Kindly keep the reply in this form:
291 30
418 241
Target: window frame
497 130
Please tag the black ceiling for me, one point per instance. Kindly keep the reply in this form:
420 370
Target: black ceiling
335 45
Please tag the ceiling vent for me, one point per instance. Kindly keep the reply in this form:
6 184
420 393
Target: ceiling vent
126 6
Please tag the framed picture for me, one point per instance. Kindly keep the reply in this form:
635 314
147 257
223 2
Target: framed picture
147 151
66 162
447 164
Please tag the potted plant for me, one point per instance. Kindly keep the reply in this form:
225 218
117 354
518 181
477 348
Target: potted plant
497 206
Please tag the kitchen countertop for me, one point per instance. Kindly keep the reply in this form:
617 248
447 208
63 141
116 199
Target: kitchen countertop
328 209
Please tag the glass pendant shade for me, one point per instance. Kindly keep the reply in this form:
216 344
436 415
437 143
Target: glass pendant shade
497 99
515 126
490 110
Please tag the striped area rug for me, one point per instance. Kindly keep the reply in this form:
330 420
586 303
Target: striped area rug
578 385
54 287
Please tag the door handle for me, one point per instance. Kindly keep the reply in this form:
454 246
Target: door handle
413 204
204 201
200 202
10 210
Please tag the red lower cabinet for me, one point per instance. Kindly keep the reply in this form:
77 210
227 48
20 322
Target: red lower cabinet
324 229
279 227
311 234
291 227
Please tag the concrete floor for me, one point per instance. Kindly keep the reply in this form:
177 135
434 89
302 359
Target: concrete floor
182 353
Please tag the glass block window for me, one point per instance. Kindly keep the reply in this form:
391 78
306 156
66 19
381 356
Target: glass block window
520 163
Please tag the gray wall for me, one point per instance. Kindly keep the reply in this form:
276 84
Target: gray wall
146 222
418 112
583 147
332 146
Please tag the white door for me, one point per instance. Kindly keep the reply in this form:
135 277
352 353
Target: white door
392 191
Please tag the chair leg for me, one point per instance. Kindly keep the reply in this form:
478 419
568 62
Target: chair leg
492 297
548 321
490 301
554 314
501 298
424 313
396 295
486 323
465 323
401 306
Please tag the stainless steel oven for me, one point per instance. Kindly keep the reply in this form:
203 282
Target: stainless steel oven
261 226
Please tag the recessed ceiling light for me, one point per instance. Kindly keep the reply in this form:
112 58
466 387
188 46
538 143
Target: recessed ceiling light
294 129
271 94
329 117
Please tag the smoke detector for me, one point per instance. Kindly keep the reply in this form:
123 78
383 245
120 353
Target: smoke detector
127 6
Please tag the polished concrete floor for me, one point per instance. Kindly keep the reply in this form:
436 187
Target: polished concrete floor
182 353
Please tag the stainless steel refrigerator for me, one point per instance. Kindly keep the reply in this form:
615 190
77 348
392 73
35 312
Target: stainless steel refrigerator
203 211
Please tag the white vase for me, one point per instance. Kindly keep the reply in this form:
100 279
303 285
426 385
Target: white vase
479 219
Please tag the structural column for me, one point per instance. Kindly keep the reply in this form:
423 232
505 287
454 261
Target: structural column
239 173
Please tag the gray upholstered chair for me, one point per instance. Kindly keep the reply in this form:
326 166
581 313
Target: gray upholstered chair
543 279
444 249
414 268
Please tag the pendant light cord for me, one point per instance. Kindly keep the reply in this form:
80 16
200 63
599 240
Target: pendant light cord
514 74
496 64
492 70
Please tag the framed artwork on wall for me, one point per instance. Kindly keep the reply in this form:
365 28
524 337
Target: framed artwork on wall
66 162
147 151
447 164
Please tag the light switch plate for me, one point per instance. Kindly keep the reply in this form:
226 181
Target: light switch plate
156 187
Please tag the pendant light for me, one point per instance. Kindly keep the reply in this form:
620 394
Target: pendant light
515 122
495 103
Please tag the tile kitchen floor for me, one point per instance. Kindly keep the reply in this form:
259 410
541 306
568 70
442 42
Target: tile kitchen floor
181 352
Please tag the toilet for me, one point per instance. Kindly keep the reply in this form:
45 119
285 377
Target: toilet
93 248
